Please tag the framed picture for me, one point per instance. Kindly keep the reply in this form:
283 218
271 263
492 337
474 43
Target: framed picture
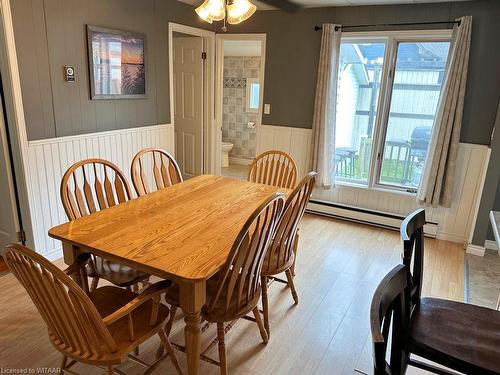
116 63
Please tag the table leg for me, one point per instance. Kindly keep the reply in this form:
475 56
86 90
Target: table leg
70 253
192 298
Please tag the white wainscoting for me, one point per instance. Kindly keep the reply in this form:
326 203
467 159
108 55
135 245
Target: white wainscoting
295 141
49 159
453 224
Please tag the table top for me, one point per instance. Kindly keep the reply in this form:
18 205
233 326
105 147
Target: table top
183 232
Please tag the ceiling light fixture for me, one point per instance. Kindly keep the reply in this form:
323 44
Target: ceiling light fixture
232 11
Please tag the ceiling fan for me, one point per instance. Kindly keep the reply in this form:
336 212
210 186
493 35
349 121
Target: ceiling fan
237 11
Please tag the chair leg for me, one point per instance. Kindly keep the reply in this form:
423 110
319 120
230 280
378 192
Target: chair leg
295 247
222 348
170 351
109 370
95 281
289 276
265 305
262 329
63 363
168 327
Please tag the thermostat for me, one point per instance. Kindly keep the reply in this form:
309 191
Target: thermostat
70 73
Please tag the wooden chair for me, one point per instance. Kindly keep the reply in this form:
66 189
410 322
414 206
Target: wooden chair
235 290
412 234
161 168
460 336
100 327
283 250
390 307
89 186
275 168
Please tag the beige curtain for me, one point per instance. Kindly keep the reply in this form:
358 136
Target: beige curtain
323 157
436 186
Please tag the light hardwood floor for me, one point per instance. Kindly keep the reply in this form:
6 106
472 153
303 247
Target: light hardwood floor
339 266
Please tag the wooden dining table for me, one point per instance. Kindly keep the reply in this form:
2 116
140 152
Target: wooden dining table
182 233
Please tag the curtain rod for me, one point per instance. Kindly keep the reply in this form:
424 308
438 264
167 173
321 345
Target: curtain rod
316 28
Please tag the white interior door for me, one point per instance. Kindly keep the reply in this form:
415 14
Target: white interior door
188 104
9 223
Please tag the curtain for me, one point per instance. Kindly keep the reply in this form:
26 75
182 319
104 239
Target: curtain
436 186
323 157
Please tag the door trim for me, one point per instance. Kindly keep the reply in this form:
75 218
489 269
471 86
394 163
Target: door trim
211 155
219 80
15 117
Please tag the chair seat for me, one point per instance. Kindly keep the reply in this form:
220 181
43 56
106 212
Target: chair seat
116 273
218 314
108 299
460 336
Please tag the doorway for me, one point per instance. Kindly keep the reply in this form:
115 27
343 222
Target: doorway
191 63
241 58
10 225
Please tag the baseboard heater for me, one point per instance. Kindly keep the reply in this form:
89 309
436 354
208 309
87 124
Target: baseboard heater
364 216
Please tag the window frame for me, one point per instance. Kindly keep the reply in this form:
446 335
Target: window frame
249 83
391 40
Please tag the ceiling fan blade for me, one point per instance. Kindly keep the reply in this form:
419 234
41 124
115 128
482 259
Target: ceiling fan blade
286 5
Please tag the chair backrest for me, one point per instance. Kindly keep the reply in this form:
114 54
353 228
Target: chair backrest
239 280
281 249
92 185
412 233
75 327
156 167
390 307
275 168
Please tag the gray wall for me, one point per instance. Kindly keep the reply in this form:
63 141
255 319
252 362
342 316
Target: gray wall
293 50
490 198
51 33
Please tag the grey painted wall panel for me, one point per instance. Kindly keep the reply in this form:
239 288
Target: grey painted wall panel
51 34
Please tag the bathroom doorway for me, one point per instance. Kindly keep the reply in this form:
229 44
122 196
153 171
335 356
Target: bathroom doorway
241 59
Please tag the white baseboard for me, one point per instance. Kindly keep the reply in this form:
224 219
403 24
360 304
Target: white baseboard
491 245
239 161
475 250
369 217
453 237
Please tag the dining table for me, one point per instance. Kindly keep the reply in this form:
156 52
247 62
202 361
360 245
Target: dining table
182 233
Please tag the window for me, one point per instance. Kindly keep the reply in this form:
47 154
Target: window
388 90
253 94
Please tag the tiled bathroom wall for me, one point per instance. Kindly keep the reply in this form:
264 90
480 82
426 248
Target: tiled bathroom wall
234 115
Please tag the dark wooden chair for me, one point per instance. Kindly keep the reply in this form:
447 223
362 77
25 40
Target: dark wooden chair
460 336
282 252
235 290
390 307
412 234
100 327
89 186
156 167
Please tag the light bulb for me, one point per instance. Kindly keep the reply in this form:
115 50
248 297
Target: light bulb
239 11
212 10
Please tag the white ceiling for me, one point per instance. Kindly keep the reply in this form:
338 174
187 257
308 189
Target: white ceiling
330 3
242 48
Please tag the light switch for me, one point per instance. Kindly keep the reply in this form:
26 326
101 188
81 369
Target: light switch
267 109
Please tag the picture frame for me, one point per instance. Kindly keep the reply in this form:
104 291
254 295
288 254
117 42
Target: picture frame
117 63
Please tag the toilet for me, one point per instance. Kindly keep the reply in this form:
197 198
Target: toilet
226 147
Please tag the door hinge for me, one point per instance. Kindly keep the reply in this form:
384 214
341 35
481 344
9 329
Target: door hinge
203 55
21 236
